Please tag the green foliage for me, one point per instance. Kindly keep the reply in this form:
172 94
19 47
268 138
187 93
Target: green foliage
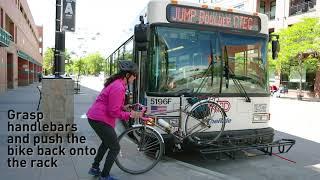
48 61
92 64
78 66
70 66
303 37
312 64
300 48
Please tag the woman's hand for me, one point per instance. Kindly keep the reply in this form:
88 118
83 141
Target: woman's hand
135 114
127 107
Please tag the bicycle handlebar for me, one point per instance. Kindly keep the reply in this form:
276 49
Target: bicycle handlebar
142 109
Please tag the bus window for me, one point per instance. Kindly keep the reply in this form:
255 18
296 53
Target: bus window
180 59
245 64
128 50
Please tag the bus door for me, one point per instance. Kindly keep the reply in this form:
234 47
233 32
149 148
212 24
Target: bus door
140 58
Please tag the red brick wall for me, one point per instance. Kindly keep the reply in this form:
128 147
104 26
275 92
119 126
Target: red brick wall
40 31
35 71
10 76
26 39
3 70
23 72
31 71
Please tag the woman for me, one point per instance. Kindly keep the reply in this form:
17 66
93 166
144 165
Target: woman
102 115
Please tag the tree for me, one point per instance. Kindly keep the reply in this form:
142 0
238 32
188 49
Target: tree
94 63
79 66
68 62
69 68
48 61
300 46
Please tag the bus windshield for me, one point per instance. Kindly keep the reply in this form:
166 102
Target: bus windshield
205 62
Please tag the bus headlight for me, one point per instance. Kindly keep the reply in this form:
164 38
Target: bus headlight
150 122
260 117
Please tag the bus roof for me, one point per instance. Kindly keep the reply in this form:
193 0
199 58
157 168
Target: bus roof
156 12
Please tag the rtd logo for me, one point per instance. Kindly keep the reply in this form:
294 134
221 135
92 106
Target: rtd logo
224 105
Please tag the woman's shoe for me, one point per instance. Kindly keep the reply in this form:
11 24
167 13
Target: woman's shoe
94 171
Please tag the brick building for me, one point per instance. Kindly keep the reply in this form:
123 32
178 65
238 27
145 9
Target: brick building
20 45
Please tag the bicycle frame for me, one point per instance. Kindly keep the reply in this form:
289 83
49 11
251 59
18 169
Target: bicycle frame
144 126
150 142
177 134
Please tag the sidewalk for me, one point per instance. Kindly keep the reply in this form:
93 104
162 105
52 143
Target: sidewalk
25 99
292 94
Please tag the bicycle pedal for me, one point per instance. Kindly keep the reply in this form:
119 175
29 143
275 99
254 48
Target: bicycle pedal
197 138
177 148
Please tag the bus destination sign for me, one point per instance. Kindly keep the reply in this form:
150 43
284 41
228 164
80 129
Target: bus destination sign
210 17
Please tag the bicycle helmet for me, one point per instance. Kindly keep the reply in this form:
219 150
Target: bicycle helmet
128 67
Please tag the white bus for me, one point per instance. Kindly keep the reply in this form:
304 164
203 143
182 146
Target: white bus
175 44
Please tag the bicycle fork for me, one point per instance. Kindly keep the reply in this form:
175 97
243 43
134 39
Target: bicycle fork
141 142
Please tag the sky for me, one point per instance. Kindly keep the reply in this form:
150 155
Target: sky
108 22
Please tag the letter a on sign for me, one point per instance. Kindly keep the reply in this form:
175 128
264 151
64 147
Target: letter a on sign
68 15
68 9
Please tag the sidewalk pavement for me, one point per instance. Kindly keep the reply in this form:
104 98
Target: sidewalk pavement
25 99
292 94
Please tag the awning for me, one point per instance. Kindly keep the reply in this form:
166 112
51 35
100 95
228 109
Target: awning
25 56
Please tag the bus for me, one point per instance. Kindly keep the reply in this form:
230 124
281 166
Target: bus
186 49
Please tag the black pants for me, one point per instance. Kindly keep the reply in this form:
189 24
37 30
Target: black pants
109 140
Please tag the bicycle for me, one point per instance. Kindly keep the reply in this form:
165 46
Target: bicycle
148 143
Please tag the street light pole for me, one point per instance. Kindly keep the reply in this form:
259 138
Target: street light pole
59 43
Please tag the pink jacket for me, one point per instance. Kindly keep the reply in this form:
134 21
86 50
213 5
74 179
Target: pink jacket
109 104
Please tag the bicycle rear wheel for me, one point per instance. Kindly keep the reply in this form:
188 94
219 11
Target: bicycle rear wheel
205 122
141 149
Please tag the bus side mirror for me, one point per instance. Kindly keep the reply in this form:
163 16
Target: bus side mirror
275 48
141 35
275 45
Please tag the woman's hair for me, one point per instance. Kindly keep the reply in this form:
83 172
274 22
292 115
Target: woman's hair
114 77
125 67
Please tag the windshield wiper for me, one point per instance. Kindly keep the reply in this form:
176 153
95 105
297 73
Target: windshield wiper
204 76
230 73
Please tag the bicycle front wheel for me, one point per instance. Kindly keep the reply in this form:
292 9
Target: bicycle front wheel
141 148
205 122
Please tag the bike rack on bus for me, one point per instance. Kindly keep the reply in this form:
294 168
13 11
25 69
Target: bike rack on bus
282 145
